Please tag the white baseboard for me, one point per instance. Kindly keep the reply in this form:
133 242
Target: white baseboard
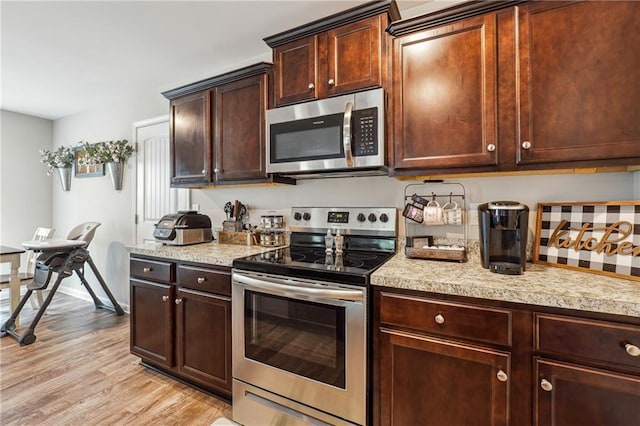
81 293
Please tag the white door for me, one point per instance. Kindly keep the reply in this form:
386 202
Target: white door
154 196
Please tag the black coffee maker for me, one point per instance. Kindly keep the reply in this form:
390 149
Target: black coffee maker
503 236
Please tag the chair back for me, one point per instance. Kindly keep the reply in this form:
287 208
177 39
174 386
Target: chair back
83 232
40 234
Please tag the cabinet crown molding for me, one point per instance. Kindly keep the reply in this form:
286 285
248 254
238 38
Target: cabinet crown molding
228 77
336 20
449 15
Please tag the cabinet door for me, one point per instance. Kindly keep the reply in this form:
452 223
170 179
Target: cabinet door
571 395
445 96
204 338
152 325
354 56
296 71
428 381
578 81
240 109
191 138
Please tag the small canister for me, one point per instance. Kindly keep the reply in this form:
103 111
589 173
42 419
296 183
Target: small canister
272 221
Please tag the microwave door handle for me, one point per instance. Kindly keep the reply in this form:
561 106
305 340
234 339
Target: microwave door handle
346 134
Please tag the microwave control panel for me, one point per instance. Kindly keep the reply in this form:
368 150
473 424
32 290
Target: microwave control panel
365 132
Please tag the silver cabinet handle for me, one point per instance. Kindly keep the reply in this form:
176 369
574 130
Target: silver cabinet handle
331 82
146 270
502 376
346 134
546 385
439 319
216 170
165 298
178 301
312 86
204 172
201 280
526 145
491 147
632 350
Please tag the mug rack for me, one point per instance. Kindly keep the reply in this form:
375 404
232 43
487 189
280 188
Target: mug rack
434 210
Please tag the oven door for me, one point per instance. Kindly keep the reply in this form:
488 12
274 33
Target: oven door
302 340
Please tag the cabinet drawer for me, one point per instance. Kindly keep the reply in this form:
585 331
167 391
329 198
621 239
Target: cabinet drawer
482 324
578 338
212 280
153 270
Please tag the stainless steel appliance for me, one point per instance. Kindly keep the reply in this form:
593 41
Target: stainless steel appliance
503 236
184 227
343 135
301 345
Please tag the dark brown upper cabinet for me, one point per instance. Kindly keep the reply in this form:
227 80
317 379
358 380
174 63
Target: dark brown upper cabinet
516 86
444 96
342 53
578 81
217 129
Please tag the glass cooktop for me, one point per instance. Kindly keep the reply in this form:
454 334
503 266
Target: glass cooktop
350 266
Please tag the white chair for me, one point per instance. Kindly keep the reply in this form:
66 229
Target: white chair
27 276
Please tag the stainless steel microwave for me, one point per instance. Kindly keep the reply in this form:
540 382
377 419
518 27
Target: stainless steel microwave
340 134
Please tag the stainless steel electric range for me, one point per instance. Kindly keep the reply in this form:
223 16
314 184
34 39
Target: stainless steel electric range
300 318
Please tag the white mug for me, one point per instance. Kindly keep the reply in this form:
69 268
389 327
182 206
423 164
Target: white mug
433 213
452 214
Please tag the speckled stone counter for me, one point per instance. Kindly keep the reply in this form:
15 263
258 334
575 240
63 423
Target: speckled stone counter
539 285
210 253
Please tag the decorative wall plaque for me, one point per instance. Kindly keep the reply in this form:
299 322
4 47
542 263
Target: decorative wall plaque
599 237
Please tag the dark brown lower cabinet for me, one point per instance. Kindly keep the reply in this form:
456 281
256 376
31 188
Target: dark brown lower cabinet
430 381
450 361
181 321
203 323
570 394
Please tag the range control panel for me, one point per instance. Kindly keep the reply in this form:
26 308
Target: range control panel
350 220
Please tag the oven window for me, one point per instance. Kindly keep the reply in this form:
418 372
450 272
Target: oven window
309 139
304 338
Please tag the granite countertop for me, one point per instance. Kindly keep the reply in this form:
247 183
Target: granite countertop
211 253
539 285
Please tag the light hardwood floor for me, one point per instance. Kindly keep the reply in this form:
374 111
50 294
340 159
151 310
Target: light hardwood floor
79 372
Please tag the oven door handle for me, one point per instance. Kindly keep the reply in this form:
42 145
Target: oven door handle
280 286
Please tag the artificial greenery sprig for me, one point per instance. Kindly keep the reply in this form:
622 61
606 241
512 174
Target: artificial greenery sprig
106 152
60 158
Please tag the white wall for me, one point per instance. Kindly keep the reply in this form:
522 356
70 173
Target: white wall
25 188
94 199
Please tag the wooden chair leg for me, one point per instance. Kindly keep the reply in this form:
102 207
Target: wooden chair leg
40 297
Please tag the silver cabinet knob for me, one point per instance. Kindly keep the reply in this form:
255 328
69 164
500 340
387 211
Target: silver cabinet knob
331 82
546 385
491 147
201 280
216 170
439 319
312 86
526 145
502 376
204 172
178 301
165 298
632 350
146 270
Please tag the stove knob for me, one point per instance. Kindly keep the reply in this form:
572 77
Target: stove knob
306 216
372 218
361 217
384 218
297 216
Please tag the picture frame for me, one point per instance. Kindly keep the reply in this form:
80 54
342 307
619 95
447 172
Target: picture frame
82 171
601 237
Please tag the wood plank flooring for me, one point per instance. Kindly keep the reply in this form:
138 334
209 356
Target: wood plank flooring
79 372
